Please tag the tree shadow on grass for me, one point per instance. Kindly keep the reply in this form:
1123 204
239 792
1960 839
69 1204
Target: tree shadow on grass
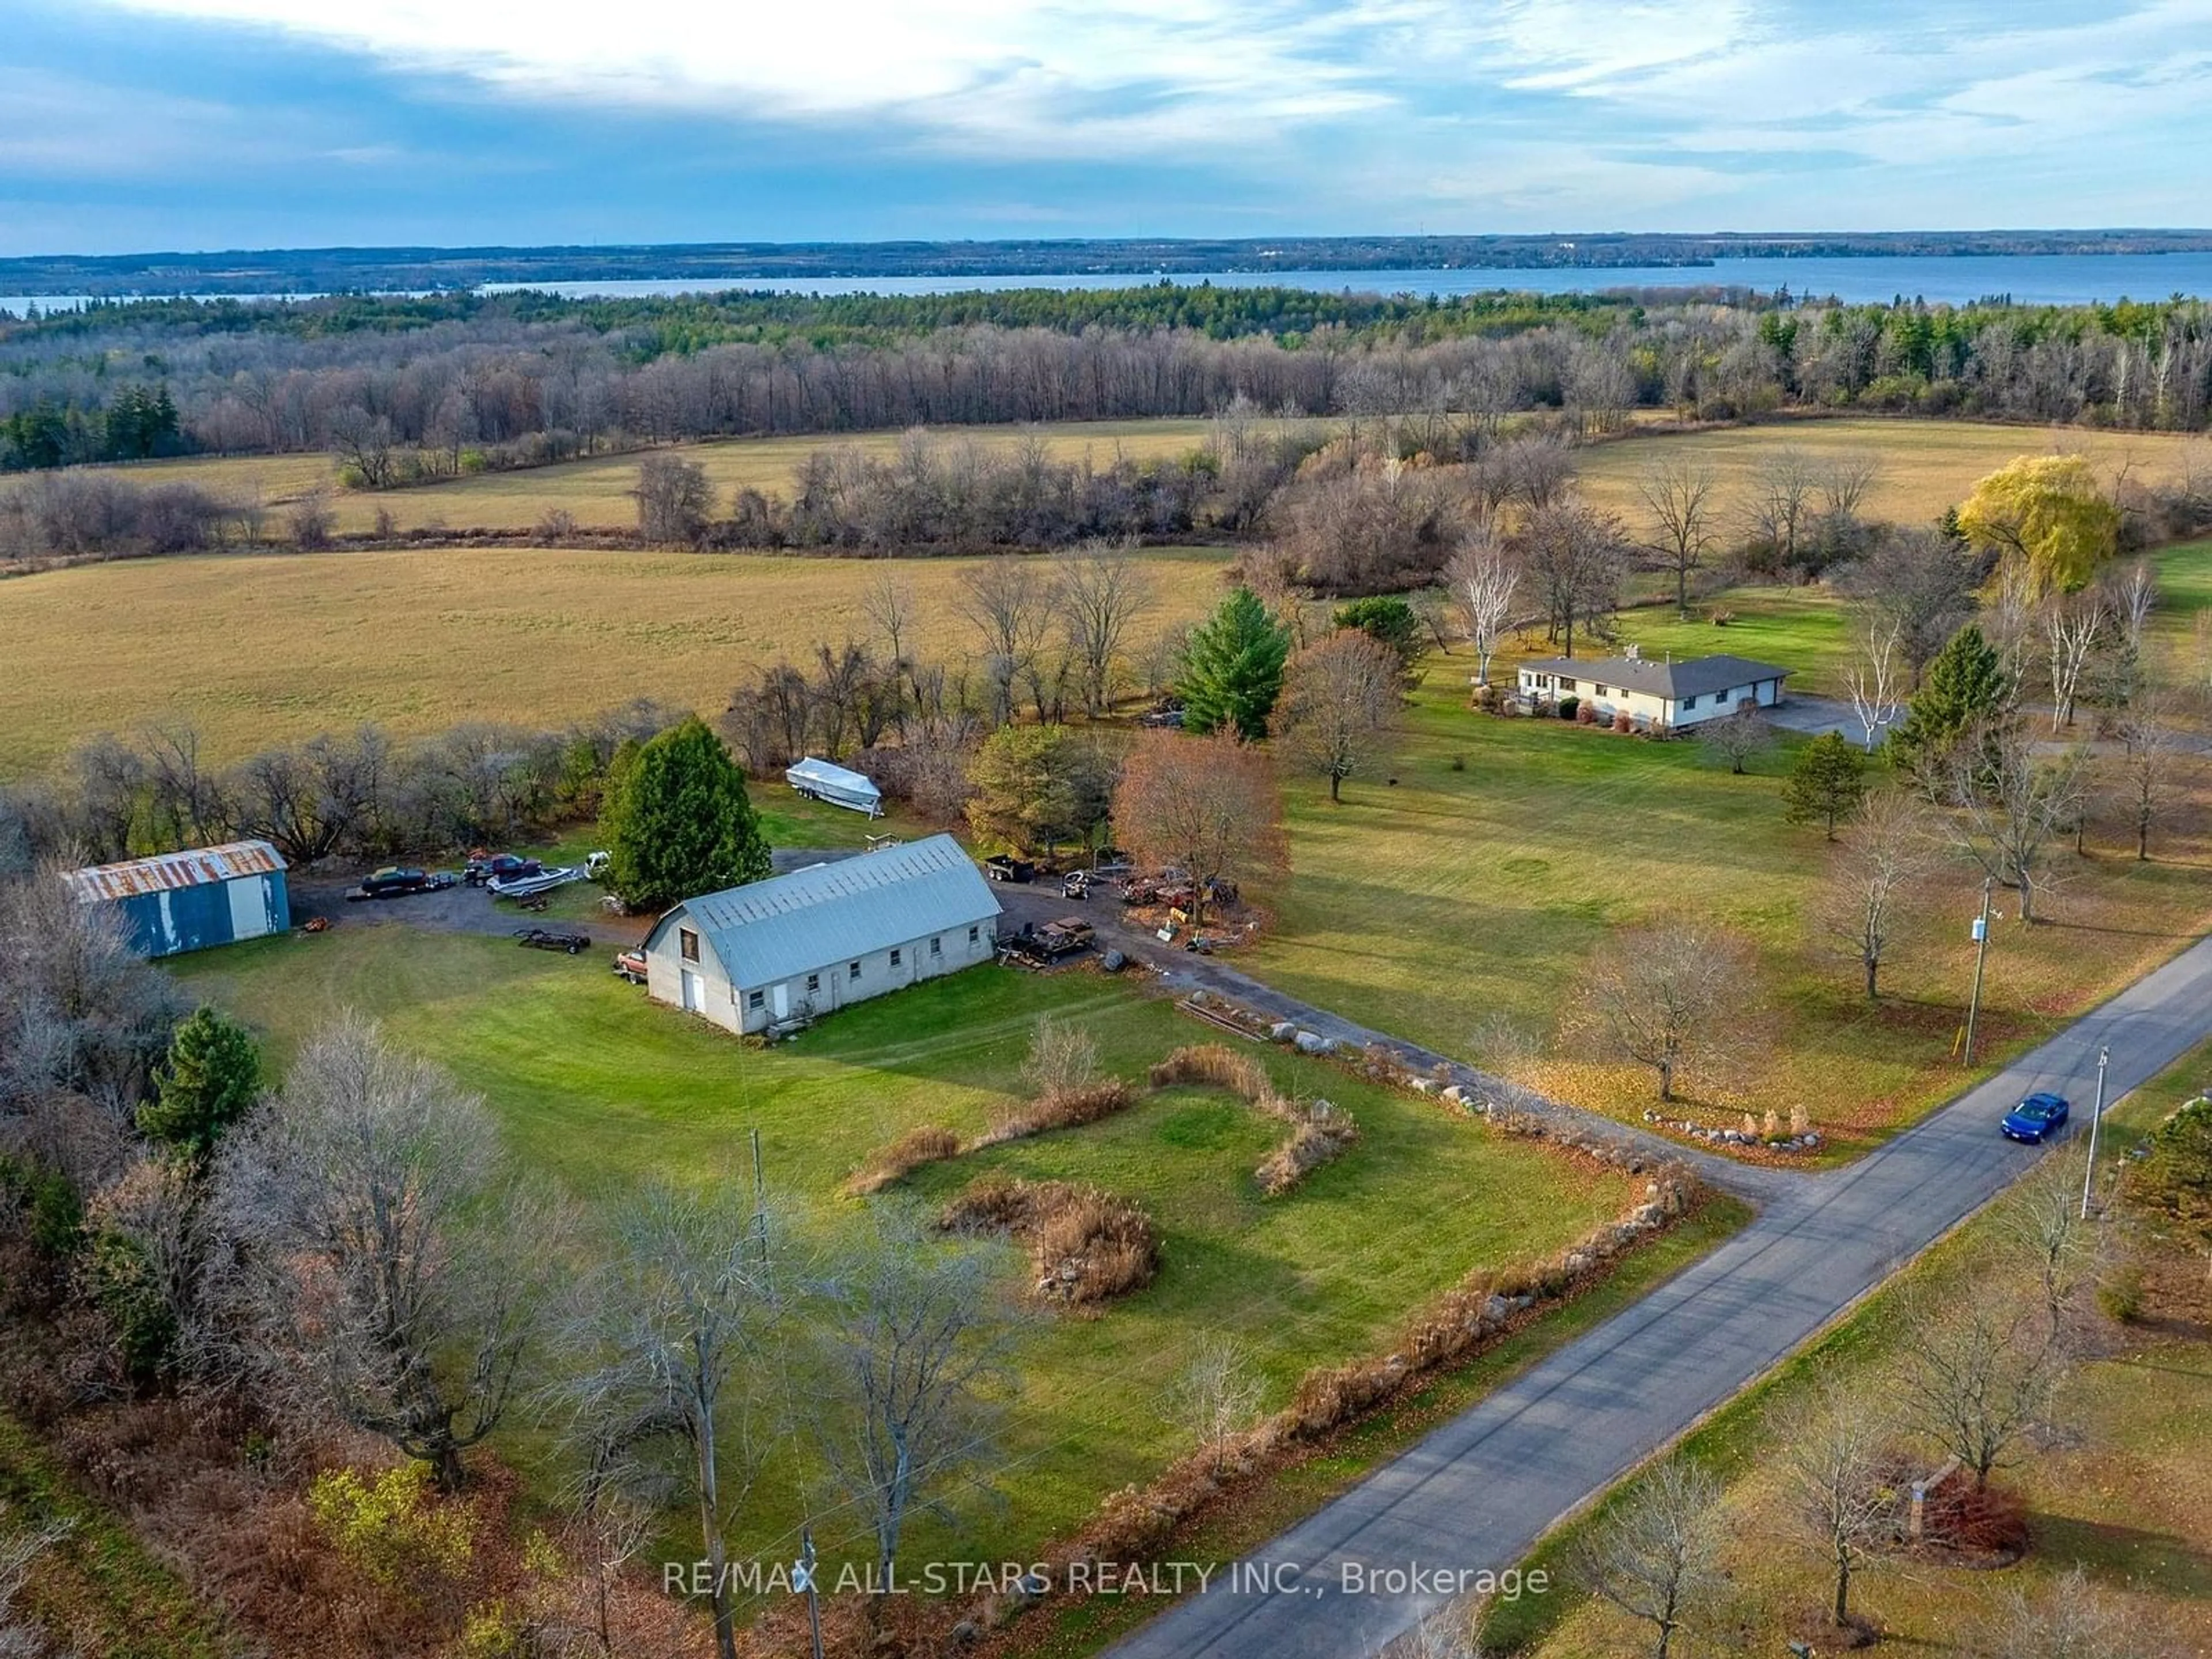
2157 1562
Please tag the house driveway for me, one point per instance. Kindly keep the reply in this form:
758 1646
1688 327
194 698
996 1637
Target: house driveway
1815 717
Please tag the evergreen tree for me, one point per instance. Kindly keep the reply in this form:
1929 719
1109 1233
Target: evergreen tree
677 821
1827 783
1965 687
210 1081
1039 786
1387 620
1232 669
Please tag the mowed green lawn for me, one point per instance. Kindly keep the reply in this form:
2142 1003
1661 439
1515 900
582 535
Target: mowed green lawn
599 1089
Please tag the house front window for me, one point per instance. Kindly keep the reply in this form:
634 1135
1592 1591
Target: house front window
687 943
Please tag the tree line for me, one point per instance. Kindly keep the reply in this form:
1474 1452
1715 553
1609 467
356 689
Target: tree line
450 383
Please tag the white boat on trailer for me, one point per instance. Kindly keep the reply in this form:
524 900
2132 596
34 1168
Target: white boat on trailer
530 886
817 780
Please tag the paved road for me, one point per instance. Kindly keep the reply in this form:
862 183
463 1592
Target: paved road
1478 1491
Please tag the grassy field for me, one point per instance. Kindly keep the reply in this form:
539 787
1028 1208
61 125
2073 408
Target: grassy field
598 1089
598 491
258 649
2125 1491
1467 896
1924 466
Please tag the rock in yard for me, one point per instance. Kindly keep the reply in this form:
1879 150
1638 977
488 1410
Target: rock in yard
1309 1042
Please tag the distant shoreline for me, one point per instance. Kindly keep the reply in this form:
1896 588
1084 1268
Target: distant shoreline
279 271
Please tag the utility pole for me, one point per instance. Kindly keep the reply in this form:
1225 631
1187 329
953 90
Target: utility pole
806 1560
1981 957
2096 1118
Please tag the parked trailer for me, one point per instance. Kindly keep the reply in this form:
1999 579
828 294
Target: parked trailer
547 938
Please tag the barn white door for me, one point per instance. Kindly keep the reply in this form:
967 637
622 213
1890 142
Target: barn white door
691 998
780 999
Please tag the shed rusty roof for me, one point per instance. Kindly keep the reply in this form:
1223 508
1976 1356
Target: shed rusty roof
167 871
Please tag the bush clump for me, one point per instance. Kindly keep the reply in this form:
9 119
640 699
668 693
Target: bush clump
1063 1109
1568 708
1086 1247
926 1145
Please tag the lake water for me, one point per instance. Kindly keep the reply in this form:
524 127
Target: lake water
1954 279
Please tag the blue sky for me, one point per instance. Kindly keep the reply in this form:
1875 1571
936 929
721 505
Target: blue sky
135 124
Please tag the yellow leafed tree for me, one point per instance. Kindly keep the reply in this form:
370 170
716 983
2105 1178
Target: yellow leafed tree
2049 513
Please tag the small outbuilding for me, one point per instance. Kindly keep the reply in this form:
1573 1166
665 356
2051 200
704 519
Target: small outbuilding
798 946
817 780
1666 695
178 902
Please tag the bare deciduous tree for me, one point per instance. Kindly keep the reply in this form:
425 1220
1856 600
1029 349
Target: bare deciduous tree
2072 625
1011 612
1669 995
2012 806
1217 1396
917 1330
674 501
1483 577
660 1404
1578 556
1063 1058
1831 1457
1867 903
2070 1618
1978 1378
2149 767
1917 585
1207 806
889 603
1102 589
1656 1554
1780 506
1340 706
2043 1226
381 1268
1737 739
1679 496
1876 676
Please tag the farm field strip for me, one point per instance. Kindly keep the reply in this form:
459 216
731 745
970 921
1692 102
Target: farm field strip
261 649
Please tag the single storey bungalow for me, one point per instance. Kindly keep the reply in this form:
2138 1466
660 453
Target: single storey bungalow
794 947
1667 694
178 902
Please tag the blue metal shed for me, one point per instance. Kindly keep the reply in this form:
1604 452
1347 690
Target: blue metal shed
178 902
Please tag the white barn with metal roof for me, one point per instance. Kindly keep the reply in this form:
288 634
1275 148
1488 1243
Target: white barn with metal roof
797 947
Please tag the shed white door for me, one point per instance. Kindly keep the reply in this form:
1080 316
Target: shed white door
780 999
691 991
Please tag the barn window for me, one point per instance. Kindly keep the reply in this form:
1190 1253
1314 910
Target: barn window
688 943
754 999
813 982
937 947
852 972
973 933
895 954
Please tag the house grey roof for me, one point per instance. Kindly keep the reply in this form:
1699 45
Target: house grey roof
1693 676
770 930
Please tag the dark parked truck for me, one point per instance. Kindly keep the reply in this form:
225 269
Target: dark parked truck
394 881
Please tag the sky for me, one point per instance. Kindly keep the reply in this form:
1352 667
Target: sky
131 126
